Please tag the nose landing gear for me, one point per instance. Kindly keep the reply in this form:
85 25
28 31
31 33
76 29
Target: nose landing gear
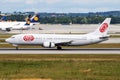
16 46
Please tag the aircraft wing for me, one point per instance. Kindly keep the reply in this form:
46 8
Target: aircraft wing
63 42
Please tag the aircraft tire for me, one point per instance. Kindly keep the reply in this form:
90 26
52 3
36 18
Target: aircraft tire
59 48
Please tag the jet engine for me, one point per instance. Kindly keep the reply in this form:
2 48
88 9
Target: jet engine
48 45
8 29
5 29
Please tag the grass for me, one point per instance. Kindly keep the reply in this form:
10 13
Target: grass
115 36
2 40
107 45
5 36
62 67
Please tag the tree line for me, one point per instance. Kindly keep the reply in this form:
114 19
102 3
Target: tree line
67 19
78 20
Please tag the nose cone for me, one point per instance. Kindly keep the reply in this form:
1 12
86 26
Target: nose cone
7 40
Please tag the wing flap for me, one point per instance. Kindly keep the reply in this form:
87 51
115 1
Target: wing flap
63 42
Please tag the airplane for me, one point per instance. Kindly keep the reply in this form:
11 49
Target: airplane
8 26
59 40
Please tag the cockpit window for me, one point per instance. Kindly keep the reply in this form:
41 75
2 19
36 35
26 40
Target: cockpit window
12 37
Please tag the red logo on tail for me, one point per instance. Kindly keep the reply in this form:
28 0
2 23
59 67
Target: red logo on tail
103 27
28 38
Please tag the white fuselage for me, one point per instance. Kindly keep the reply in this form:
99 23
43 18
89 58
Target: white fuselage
40 39
13 25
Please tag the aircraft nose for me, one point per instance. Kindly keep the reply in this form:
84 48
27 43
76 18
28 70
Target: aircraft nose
7 40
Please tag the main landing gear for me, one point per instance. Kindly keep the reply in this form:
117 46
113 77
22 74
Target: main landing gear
17 48
59 48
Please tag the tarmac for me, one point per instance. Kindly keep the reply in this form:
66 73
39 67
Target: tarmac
63 51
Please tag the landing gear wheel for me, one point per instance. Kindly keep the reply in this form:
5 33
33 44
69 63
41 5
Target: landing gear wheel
59 47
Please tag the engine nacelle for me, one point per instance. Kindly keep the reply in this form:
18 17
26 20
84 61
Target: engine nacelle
6 29
48 45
